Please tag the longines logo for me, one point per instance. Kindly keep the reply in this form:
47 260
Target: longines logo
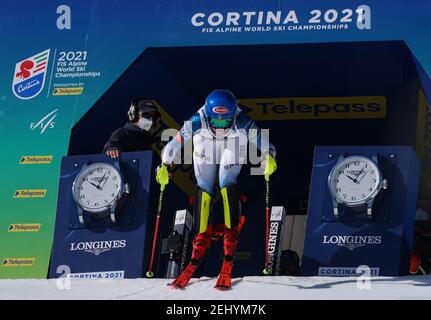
98 247
352 242
272 242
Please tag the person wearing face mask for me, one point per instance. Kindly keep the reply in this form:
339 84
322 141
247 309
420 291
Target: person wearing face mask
136 134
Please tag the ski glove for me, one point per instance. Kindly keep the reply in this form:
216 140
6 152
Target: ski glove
162 176
270 166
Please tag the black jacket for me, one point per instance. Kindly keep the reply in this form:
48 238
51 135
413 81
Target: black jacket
129 138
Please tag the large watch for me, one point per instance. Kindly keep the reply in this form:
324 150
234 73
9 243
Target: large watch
98 189
355 182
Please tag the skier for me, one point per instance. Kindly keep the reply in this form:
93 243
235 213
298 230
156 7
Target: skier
219 131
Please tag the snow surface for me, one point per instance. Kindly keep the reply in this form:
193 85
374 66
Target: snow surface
253 288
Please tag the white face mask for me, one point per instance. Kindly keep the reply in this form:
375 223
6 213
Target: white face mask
145 124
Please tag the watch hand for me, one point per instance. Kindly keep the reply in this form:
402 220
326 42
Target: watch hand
105 181
363 176
102 178
353 179
97 187
359 173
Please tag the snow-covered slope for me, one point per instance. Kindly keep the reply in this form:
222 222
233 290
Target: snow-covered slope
415 287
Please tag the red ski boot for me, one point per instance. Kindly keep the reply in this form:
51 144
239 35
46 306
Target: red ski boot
230 243
200 245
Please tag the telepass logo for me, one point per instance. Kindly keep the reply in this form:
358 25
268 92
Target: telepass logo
29 76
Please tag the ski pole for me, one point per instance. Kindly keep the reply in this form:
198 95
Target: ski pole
267 270
150 273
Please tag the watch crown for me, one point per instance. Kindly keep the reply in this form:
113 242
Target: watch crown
385 184
126 188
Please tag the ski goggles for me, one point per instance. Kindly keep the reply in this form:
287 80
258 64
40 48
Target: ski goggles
220 123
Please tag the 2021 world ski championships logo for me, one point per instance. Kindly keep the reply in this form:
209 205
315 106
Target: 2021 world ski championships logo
283 20
29 76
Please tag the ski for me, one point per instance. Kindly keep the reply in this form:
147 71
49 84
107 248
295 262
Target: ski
200 246
224 280
183 279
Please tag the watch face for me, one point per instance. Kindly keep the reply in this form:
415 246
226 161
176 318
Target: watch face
97 187
355 180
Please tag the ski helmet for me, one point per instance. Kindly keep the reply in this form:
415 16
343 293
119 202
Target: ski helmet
220 107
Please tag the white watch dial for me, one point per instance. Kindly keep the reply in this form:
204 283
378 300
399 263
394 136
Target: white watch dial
97 187
355 180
